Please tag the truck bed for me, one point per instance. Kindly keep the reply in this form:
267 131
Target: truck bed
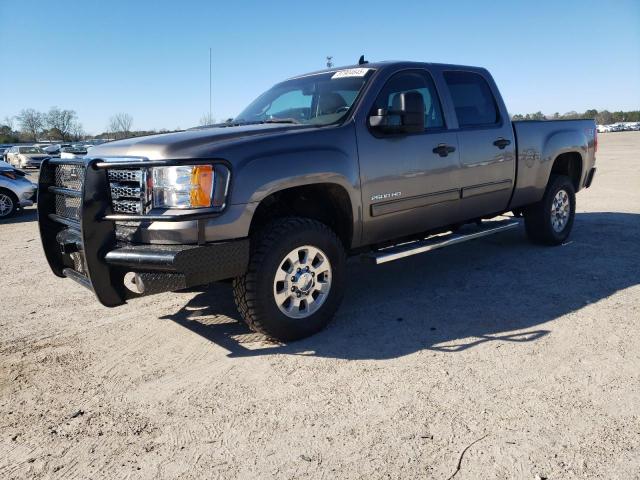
539 142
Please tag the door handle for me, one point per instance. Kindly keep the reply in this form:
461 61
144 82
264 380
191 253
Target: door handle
443 149
501 143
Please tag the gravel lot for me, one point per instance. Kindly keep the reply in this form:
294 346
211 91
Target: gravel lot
528 356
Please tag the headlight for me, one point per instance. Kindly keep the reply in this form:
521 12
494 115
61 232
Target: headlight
182 186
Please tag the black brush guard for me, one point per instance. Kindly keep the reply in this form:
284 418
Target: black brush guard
85 248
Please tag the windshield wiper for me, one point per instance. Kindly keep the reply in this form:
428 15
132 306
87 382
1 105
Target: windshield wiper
280 120
241 122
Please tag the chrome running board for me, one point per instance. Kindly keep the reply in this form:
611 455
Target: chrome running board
466 233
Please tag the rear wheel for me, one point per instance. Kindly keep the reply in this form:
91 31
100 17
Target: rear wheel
295 280
551 219
8 204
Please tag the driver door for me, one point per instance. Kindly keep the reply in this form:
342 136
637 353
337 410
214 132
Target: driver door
410 182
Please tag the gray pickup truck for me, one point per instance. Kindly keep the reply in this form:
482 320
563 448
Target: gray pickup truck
382 160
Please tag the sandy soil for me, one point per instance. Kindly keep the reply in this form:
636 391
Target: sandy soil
532 353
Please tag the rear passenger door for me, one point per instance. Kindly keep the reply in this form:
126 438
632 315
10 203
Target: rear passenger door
486 142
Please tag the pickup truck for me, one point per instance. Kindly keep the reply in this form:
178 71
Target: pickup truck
382 160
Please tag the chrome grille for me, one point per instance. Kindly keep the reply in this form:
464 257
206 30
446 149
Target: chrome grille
125 176
128 192
119 190
126 206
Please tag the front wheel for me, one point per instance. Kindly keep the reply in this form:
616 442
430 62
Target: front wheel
551 219
295 279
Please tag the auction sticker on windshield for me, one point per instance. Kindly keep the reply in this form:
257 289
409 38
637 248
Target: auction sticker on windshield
351 72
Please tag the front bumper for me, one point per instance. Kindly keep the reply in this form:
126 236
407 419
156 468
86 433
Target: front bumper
32 162
24 190
87 250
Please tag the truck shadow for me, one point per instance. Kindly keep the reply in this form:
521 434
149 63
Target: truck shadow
22 216
496 289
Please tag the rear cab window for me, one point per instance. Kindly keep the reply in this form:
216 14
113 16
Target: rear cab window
474 103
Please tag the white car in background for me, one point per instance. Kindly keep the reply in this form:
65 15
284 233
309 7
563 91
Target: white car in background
26 156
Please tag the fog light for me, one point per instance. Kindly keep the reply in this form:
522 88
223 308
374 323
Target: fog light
183 186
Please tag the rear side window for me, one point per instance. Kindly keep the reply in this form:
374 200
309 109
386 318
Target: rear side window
472 99
413 81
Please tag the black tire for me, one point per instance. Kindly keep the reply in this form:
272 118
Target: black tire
7 195
538 219
254 291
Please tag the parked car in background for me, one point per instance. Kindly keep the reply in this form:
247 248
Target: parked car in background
16 191
25 156
73 151
3 150
53 150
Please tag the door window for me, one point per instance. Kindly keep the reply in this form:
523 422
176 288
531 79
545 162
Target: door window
413 81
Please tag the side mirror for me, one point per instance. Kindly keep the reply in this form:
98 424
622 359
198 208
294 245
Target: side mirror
405 116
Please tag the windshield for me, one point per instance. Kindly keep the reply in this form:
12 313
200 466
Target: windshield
31 150
320 99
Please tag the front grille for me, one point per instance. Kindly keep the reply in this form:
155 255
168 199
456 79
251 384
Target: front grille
68 207
126 206
125 175
70 177
128 192
124 191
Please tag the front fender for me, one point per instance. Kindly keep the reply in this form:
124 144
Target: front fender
265 166
262 176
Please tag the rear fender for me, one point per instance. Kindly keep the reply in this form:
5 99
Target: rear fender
535 164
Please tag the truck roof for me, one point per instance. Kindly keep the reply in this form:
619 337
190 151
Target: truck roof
390 63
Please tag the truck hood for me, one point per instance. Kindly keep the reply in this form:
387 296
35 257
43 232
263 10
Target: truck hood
201 143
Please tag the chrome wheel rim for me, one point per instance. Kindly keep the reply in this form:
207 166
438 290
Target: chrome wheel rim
302 282
560 210
6 205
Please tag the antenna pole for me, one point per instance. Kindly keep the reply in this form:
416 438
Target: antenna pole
210 98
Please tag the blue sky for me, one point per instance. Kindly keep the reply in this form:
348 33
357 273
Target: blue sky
151 58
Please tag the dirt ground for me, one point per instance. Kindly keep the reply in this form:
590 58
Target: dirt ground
506 359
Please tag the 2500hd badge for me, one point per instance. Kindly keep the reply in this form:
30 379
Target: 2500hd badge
385 196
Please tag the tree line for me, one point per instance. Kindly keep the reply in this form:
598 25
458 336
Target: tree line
59 124
62 124
33 125
603 117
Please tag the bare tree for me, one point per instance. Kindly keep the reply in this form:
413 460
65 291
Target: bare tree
207 119
61 121
31 122
112 128
77 131
120 125
8 121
